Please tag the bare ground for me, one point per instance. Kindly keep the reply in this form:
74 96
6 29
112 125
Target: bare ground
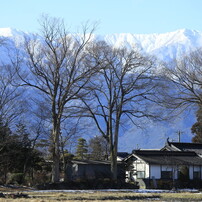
26 194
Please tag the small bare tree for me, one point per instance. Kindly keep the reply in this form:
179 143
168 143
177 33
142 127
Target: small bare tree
122 90
55 67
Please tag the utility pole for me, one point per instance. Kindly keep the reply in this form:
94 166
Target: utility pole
179 135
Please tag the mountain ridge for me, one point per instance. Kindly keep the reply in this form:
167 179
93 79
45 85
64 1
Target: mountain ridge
165 46
186 39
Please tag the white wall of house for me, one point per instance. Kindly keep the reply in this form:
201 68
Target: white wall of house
201 172
147 171
141 169
155 171
191 170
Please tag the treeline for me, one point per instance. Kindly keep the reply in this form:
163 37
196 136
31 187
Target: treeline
96 149
60 84
20 159
24 161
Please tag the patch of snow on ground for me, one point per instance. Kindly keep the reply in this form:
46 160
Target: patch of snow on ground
120 190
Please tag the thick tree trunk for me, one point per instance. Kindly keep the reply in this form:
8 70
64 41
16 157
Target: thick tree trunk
113 159
56 154
111 143
56 168
114 149
114 166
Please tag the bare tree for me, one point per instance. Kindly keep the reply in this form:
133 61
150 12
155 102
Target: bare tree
122 90
185 80
11 97
55 67
197 127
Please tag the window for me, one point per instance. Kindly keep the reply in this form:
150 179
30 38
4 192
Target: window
196 175
166 174
140 174
196 172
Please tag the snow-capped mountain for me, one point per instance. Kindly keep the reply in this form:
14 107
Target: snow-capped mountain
12 34
165 47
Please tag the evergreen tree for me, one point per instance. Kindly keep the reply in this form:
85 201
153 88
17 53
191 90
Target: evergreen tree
6 151
16 154
26 152
197 127
82 149
98 148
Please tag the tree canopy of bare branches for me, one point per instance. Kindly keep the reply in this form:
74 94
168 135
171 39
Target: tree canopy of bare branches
11 97
122 90
55 67
185 80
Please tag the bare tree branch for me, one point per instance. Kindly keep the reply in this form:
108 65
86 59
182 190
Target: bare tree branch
56 68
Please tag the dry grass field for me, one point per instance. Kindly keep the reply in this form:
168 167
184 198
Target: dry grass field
38 196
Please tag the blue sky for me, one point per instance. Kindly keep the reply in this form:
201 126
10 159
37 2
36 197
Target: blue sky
114 16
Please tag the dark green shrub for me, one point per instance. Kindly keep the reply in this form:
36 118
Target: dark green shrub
16 178
41 177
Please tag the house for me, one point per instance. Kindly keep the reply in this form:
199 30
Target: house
122 155
91 170
150 166
181 146
175 163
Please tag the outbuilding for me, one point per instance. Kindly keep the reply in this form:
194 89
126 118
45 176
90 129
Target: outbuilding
92 170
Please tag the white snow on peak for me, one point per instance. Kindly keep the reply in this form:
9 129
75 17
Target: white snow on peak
6 32
165 46
150 42
10 32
